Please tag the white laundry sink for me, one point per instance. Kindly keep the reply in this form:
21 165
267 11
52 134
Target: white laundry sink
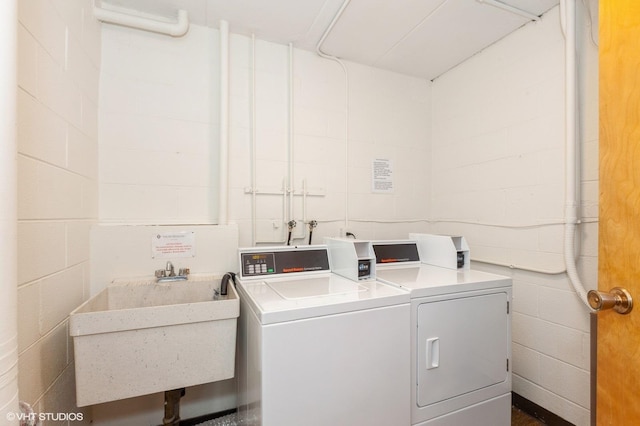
140 337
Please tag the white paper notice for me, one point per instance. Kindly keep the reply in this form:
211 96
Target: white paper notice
173 245
382 175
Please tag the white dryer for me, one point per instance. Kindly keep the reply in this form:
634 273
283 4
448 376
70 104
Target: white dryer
316 348
460 338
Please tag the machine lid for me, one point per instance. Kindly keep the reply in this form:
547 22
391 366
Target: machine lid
315 287
290 298
428 280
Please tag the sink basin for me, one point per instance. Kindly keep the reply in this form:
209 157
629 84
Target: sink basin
140 337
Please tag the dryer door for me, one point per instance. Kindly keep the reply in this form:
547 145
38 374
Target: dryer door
462 346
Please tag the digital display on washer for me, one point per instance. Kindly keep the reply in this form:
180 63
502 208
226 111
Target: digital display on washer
396 252
284 262
258 264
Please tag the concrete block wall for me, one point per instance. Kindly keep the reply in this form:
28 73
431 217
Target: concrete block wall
58 69
159 135
498 178
385 119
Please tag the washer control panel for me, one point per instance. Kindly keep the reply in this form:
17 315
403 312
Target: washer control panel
265 263
258 264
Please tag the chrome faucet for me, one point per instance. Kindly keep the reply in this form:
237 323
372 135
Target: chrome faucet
169 274
168 270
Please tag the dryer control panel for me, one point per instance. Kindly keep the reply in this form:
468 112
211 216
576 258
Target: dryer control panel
393 252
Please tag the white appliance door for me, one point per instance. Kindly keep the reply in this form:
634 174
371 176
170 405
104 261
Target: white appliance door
349 369
462 346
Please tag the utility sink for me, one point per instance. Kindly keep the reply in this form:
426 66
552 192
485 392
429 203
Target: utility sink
140 337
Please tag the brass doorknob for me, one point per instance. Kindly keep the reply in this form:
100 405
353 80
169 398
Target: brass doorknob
617 299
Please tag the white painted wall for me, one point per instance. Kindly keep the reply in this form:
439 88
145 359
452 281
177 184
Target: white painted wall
386 120
159 129
8 214
158 124
497 173
58 69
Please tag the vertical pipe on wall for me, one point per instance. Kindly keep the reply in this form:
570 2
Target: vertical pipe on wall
290 134
224 124
571 157
346 131
254 178
8 215
304 201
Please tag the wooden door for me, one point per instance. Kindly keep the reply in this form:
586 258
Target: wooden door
618 360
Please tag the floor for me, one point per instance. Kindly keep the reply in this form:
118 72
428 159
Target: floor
520 418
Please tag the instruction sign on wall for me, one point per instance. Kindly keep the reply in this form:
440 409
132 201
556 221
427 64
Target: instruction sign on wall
382 176
173 245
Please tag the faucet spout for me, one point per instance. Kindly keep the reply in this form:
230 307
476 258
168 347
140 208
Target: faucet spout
169 271
224 285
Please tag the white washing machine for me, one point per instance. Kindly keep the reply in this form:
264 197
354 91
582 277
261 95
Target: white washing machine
460 338
316 348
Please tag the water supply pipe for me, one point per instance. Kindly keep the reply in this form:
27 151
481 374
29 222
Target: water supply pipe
174 29
287 193
9 405
254 162
254 179
223 196
290 159
571 157
312 226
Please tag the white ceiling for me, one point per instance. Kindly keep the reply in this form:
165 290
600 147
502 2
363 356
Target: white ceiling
422 38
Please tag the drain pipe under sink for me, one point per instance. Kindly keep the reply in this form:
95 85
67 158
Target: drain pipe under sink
172 407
